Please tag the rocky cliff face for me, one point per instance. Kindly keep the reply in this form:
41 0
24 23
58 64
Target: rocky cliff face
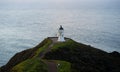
80 57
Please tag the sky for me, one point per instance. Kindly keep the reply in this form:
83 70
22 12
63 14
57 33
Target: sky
37 4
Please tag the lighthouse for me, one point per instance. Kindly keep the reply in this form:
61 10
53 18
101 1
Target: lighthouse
61 34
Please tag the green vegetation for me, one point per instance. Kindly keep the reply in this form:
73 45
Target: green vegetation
70 56
31 65
39 65
83 58
69 43
63 66
35 64
43 48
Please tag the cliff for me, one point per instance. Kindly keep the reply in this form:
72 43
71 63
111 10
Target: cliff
68 56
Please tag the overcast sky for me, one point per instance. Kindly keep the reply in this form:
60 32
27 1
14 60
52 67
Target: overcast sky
32 4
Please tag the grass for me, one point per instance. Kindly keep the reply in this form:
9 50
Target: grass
69 56
63 66
72 45
35 64
69 43
43 48
38 65
31 65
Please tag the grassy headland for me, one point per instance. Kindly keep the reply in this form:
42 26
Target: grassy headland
68 56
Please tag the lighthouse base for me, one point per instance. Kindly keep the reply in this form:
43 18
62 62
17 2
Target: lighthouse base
61 39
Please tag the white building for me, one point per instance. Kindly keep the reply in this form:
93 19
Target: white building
61 34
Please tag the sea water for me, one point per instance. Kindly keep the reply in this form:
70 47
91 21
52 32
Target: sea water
23 29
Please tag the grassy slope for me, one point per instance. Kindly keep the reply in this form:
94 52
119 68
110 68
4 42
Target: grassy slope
83 58
63 66
39 65
43 48
24 55
72 45
31 65
72 57
35 64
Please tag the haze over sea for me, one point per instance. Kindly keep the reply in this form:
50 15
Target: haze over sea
21 29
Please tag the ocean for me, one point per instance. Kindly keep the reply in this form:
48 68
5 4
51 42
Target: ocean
23 29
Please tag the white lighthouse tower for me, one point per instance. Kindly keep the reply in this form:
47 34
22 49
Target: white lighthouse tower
61 34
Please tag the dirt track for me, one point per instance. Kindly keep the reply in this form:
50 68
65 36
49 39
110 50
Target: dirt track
52 66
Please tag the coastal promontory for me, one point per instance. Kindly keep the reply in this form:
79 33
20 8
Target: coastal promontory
68 56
